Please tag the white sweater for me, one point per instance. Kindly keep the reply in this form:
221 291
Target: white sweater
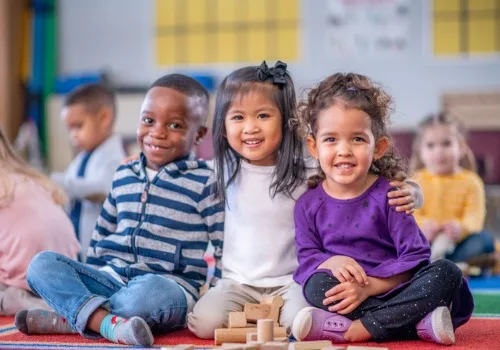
259 232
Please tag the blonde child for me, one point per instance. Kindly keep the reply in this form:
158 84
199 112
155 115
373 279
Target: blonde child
452 217
364 266
261 172
31 220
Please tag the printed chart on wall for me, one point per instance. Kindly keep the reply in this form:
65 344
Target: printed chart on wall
368 27
225 31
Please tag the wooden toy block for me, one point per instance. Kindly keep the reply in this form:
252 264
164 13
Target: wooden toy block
254 312
239 335
251 337
237 320
266 299
239 346
179 347
274 346
276 305
350 347
265 330
281 340
310 345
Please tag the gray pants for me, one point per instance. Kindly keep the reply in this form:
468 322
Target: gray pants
13 299
212 310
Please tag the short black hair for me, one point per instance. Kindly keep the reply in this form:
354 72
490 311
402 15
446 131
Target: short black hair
93 96
189 87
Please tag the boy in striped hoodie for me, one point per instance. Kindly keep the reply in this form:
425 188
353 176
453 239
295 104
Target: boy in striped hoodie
145 263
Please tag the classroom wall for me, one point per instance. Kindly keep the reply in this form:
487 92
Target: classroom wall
118 35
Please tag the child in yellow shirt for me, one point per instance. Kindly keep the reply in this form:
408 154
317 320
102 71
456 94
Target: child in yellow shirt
454 209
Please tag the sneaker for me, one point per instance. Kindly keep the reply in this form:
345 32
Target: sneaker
315 324
437 327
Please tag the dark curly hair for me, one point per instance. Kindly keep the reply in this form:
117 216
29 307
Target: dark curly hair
354 91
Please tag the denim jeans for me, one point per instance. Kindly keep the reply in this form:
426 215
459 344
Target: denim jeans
75 290
472 246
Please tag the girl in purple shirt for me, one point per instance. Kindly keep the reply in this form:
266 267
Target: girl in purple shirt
365 267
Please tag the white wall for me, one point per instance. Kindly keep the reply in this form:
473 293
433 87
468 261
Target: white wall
118 35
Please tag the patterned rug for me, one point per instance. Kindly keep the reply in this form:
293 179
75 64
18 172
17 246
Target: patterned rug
481 332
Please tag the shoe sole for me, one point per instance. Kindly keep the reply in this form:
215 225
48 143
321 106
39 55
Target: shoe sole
302 323
442 326
144 333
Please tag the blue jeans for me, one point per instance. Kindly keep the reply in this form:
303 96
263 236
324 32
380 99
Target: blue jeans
75 290
472 246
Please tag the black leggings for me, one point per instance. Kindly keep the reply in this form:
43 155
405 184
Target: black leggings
394 317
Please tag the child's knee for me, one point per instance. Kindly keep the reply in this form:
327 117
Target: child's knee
40 263
448 271
316 286
204 321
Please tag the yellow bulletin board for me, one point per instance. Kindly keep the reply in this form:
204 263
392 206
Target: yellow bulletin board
225 31
465 27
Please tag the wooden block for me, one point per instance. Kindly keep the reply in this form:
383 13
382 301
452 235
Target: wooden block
281 340
239 335
179 347
276 305
350 347
237 320
265 330
310 345
251 337
274 346
238 346
254 312
266 299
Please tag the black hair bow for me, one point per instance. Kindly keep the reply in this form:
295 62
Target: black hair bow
277 72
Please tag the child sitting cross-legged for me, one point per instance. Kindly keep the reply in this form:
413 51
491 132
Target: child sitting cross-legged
365 267
145 262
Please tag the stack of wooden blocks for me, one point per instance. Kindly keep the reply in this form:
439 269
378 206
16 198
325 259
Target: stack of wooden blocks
257 328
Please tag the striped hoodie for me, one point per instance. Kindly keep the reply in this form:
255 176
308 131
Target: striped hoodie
161 226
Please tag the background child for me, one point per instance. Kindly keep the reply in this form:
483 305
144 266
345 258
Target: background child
26 193
365 267
89 112
454 211
261 172
146 253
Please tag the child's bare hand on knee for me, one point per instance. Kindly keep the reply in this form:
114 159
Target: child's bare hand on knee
345 269
349 296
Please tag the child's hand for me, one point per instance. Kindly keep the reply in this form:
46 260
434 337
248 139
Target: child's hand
345 269
351 295
130 159
430 229
452 229
404 197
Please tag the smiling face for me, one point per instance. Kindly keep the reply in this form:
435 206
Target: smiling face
253 128
345 146
168 128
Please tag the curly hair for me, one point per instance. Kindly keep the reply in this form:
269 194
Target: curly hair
354 91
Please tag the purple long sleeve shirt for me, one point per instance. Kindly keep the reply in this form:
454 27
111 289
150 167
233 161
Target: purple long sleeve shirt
366 228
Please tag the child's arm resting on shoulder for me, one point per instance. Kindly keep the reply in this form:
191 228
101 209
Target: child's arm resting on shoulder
351 294
309 246
212 213
408 196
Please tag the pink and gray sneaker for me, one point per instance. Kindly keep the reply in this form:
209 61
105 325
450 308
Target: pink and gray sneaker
315 324
437 327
